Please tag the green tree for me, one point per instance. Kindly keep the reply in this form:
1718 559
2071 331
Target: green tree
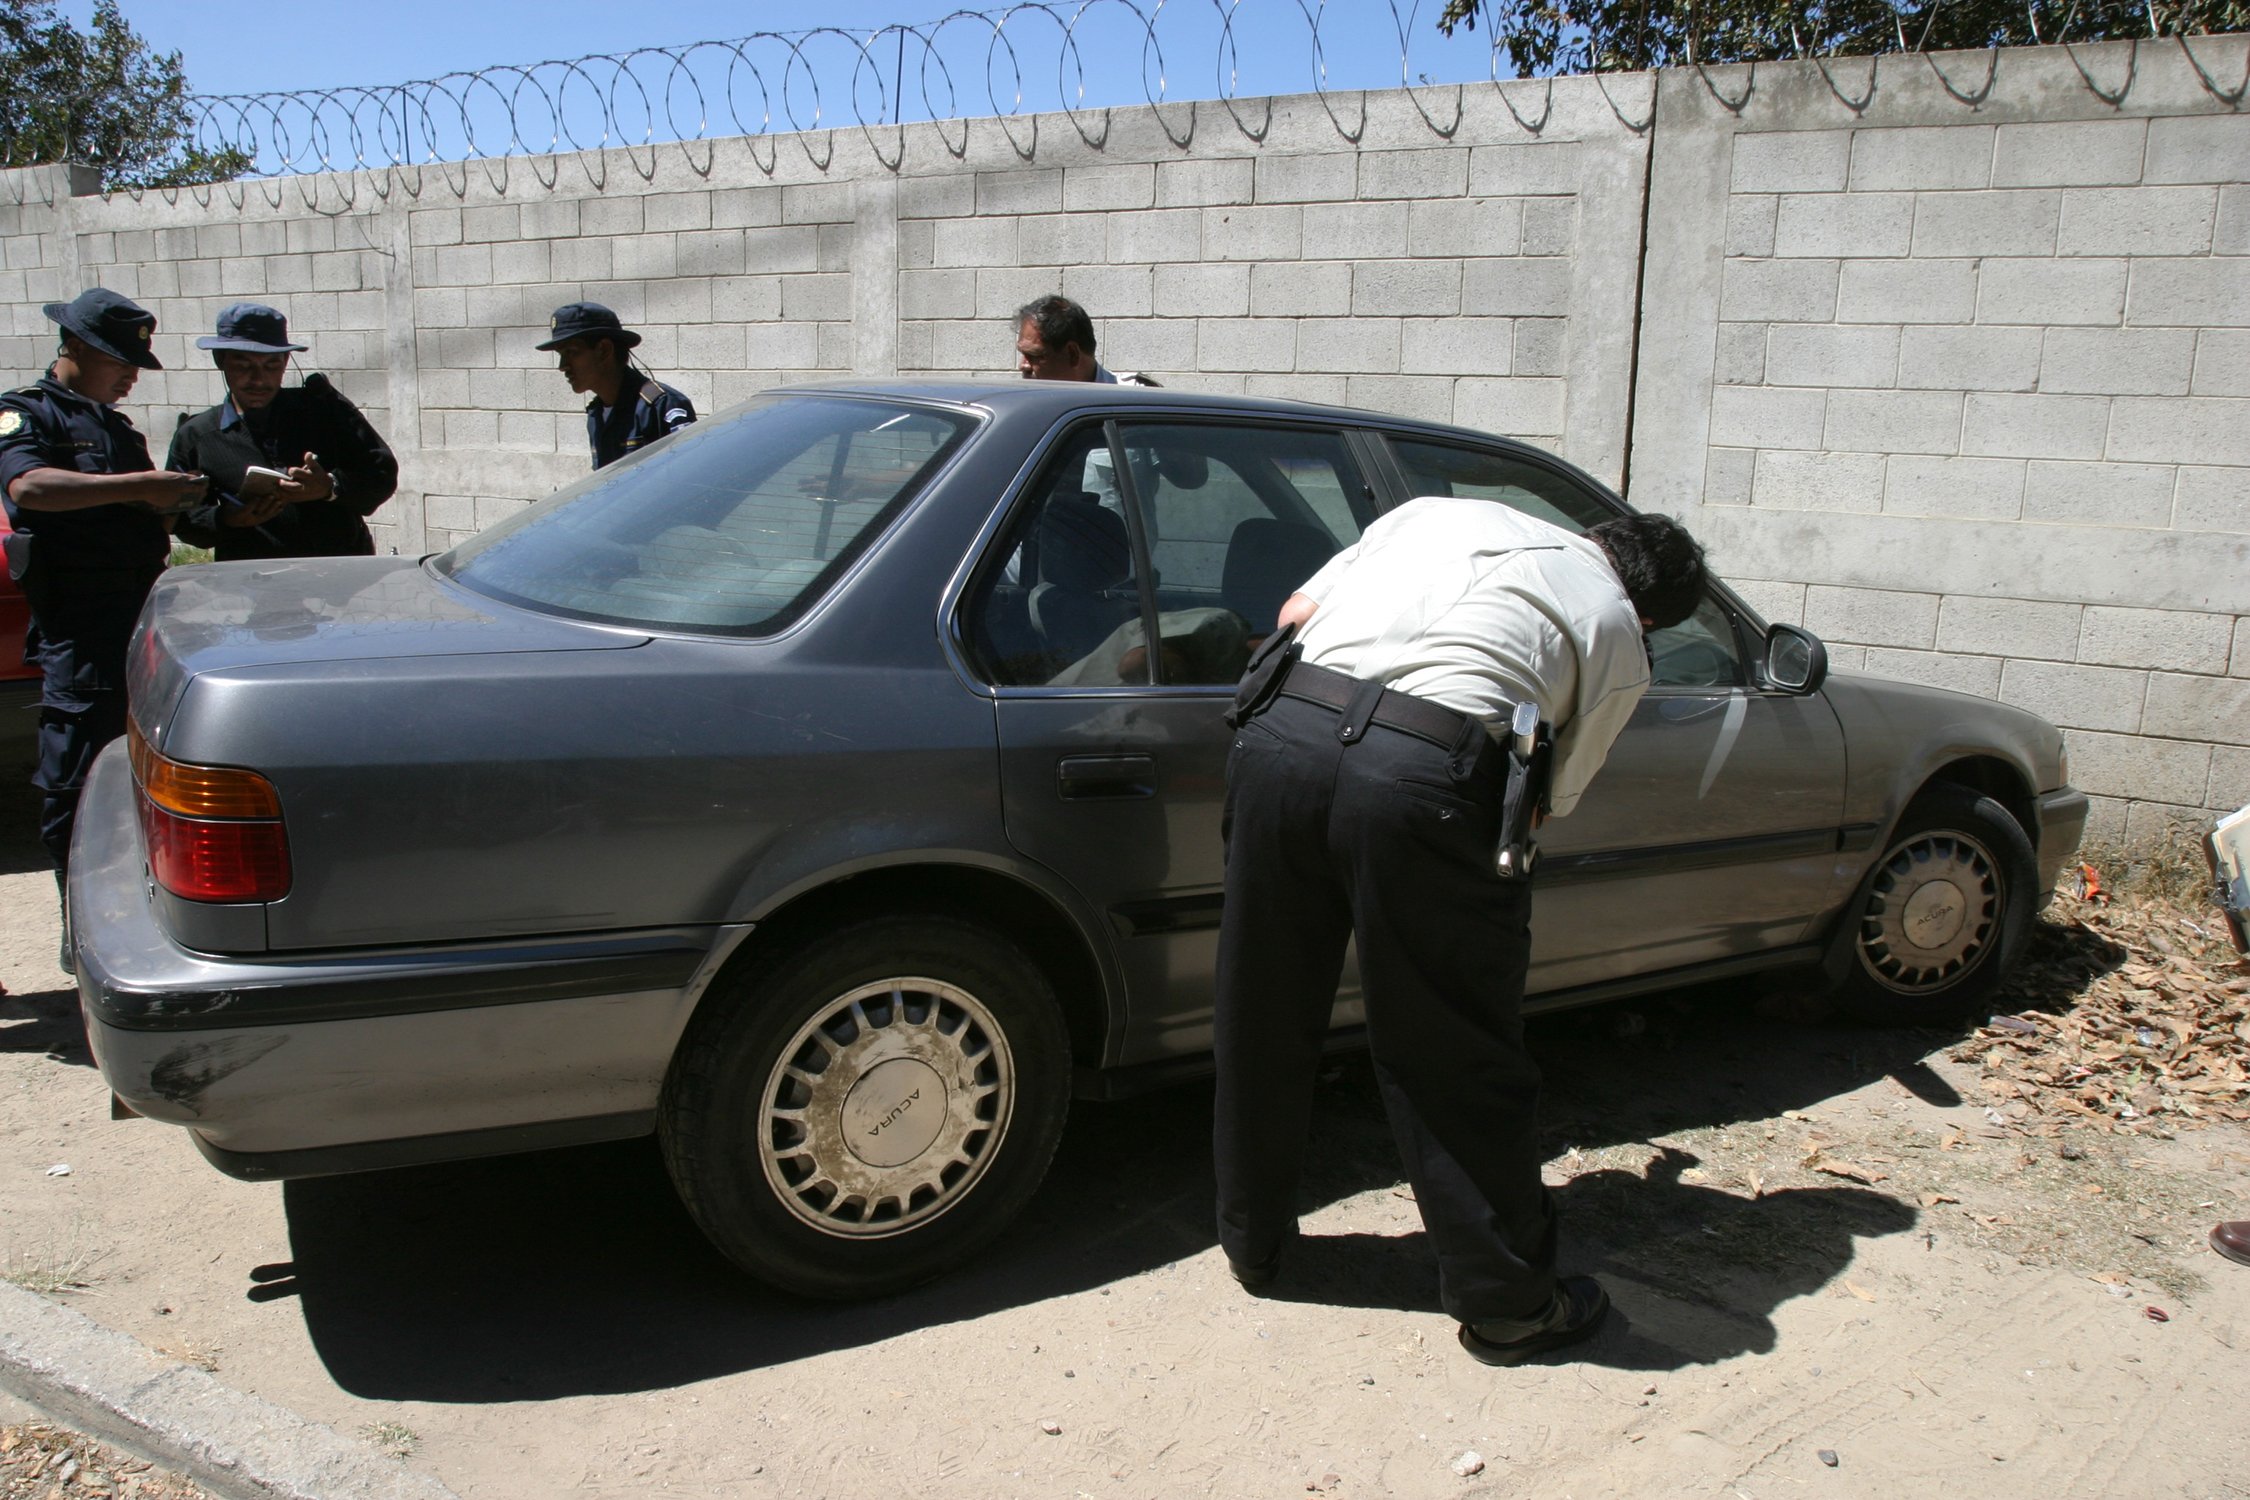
101 98
1591 36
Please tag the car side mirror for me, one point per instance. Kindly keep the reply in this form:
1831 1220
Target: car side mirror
1796 661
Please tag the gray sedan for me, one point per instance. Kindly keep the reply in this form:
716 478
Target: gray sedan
833 789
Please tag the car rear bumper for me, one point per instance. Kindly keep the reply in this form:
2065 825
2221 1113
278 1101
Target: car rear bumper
2062 822
319 1063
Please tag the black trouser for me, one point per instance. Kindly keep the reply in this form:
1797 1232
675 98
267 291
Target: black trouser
1388 839
83 622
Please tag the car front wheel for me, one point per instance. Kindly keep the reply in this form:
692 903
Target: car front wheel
870 1109
1942 914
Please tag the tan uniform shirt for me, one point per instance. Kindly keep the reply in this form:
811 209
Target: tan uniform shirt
1479 607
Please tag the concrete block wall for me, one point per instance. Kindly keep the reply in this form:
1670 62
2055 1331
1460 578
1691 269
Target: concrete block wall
33 271
1948 358
1440 273
185 263
1457 278
1956 377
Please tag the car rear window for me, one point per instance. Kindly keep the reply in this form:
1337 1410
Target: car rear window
733 527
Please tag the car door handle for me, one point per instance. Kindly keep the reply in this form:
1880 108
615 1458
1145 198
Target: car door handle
1082 778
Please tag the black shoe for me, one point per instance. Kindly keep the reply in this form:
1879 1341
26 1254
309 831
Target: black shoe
1255 1278
1578 1309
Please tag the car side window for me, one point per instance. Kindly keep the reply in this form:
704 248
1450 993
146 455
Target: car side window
1237 517
1064 581
1232 517
1700 651
1470 473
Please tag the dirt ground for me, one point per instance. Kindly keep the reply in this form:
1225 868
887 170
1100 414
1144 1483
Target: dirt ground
1993 1310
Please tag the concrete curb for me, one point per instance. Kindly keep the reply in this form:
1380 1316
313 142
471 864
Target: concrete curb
237 1446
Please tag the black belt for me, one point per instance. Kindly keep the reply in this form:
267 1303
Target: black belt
1425 720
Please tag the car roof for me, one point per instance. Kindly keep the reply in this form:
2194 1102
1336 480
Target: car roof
1052 398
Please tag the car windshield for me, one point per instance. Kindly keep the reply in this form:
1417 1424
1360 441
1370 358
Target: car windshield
732 527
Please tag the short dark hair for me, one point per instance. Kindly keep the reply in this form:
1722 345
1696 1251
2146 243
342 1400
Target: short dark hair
1059 320
1660 565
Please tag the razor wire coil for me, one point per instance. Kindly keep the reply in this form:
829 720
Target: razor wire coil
1026 57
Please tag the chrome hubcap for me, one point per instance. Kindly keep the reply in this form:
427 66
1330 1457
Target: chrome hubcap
886 1107
1931 913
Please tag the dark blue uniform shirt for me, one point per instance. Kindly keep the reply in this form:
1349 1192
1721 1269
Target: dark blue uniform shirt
85 574
640 417
46 426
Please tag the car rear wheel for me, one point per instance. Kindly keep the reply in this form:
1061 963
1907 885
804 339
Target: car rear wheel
1942 915
871 1108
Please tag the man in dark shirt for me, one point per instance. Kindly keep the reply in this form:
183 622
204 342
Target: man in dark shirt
630 407
338 468
91 532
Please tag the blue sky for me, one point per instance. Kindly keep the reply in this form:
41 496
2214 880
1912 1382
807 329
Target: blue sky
244 46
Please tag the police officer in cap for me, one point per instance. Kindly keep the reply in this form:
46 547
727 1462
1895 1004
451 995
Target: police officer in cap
630 407
338 469
92 530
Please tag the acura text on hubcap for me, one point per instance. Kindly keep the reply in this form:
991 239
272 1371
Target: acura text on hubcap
1931 912
886 1107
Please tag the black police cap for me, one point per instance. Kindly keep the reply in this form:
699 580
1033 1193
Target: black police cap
577 320
254 328
116 326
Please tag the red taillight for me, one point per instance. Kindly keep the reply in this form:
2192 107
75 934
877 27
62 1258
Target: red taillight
201 859
242 854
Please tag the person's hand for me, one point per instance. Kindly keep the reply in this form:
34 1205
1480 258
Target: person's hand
248 513
309 481
170 490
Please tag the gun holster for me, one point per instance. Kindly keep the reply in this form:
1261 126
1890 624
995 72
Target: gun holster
1530 751
1262 678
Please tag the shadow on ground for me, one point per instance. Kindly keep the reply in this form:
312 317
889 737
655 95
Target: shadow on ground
45 1021
576 1272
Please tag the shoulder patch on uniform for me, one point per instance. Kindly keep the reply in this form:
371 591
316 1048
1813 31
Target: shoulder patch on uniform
11 422
677 416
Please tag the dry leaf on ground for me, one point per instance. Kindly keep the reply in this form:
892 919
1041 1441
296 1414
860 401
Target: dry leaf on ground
2157 1031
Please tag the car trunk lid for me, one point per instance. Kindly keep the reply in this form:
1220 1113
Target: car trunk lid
220 616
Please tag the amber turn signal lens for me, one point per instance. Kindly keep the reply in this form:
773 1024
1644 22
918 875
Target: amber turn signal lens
200 791
213 833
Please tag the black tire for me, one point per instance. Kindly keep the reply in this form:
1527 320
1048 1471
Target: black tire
949 1043
1942 915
